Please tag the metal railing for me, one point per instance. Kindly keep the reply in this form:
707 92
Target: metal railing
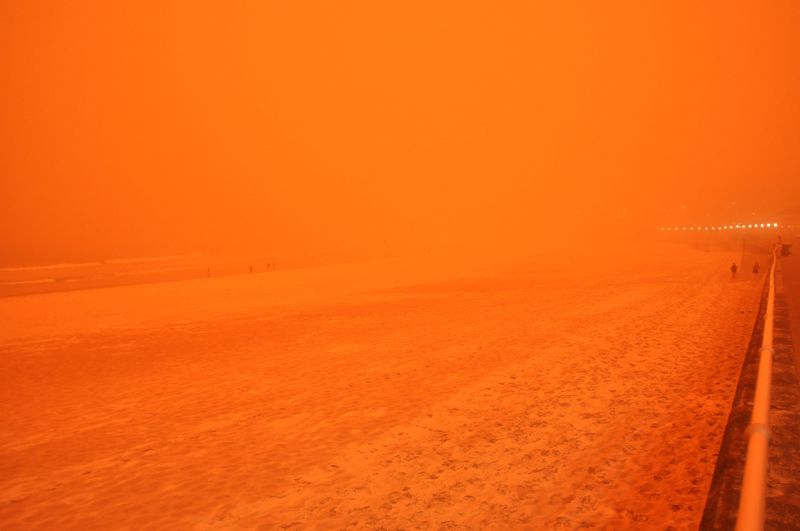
752 503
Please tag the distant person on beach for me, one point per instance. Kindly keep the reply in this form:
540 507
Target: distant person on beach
734 269
755 268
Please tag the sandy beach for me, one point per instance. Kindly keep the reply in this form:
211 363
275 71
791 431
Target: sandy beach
341 397
388 265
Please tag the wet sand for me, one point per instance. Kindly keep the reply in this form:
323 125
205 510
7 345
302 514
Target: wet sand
334 398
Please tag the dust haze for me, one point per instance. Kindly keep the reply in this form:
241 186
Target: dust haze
357 130
386 264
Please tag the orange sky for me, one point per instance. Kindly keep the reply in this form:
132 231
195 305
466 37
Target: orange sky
165 127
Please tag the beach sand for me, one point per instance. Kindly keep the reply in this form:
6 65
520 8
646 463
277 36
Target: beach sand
417 398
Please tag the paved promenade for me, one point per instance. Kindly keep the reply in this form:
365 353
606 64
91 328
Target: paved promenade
790 267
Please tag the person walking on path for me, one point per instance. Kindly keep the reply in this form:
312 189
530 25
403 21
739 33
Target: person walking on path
755 268
734 269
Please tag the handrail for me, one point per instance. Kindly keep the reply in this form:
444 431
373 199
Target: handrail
752 503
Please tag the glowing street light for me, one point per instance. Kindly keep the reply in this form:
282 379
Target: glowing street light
769 225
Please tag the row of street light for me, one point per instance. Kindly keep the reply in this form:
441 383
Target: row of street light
725 227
